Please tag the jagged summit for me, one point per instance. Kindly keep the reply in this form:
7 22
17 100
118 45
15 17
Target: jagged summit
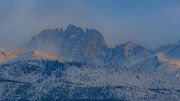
125 70
130 48
72 32
77 44
129 43
72 28
73 42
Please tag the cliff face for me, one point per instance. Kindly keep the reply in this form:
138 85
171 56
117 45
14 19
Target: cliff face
77 44
73 43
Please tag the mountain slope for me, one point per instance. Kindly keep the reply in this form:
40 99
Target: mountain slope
77 44
172 57
6 55
36 55
54 80
128 54
174 52
84 68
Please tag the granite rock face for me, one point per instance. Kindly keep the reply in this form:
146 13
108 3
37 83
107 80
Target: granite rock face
77 44
73 43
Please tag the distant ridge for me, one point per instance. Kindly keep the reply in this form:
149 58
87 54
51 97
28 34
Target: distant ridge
78 44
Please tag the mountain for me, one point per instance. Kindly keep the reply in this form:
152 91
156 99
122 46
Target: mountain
166 48
77 44
128 54
171 60
167 62
73 43
174 52
166 56
45 79
172 56
76 64
46 40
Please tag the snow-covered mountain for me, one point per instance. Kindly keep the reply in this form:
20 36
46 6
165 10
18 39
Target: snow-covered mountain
171 60
73 43
128 54
76 64
164 48
84 45
46 79
174 52
165 62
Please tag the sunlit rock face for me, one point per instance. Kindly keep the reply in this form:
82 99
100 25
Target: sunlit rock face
128 48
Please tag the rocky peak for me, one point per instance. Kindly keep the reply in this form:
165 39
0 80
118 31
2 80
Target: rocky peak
72 31
49 31
73 42
128 47
132 49
95 36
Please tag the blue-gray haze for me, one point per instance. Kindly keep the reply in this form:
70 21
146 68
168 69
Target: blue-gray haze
147 22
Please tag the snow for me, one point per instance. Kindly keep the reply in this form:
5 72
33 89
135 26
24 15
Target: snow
73 35
6 55
125 72
37 55
172 58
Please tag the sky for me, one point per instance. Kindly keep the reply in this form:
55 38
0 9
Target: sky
150 23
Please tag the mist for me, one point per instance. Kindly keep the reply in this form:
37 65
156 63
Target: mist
149 23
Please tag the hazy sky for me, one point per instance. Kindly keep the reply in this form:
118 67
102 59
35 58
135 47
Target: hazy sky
148 22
